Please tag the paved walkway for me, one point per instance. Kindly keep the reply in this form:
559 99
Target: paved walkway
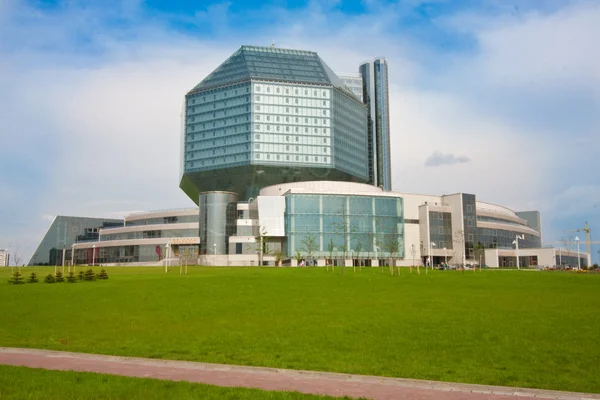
323 383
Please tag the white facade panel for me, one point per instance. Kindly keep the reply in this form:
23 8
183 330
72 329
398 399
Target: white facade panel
271 212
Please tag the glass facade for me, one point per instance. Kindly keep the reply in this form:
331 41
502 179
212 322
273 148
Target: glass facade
441 229
350 140
65 231
292 125
354 82
349 226
503 239
218 212
178 219
269 116
150 234
129 254
376 97
470 224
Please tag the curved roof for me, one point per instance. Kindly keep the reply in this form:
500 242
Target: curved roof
271 63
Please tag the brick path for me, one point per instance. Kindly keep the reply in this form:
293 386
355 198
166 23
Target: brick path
323 383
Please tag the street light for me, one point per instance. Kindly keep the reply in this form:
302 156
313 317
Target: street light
168 248
93 255
578 259
516 243
431 246
215 253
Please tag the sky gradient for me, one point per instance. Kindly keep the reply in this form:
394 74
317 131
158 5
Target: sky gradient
496 98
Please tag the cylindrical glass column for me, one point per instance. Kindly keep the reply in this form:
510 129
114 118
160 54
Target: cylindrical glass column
217 221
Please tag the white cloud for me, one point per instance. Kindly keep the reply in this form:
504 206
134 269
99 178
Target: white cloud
437 159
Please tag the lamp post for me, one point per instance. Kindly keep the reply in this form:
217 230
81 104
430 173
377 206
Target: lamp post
578 259
167 250
431 246
215 254
516 243
352 255
93 255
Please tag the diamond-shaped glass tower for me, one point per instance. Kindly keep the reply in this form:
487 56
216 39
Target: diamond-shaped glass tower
267 116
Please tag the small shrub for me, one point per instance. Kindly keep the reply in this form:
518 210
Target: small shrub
59 277
50 278
32 278
71 278
17 278
81 275
102 275
89 275
594 267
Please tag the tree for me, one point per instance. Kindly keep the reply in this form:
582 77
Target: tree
331 249
261 241
17 256
49 278
413 252
310 245
278 257
420 261
298 257
479 249
392 247
358 249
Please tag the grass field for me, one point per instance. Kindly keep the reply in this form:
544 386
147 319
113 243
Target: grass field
27 383
515 328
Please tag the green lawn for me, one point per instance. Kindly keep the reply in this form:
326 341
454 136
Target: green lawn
27 383
515 328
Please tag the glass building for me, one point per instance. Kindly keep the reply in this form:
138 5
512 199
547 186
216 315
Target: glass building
268 116
375 96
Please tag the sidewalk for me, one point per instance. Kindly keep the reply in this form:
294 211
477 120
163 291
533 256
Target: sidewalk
323 383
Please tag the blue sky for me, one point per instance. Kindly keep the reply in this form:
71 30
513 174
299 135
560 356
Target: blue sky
92 91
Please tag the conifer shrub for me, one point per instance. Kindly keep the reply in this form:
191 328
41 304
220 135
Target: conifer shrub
33 278
89 275
17 278
71 278
50 278
102 275
59 277
81 275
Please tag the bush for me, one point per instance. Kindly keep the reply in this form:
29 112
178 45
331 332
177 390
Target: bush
594 267
32 278
59 277
16 279
50 278
89 275
71 278
102 275
81 275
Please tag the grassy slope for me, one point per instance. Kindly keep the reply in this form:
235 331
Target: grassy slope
496 327
26 383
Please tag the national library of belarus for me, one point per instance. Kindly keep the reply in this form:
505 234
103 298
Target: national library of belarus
286 160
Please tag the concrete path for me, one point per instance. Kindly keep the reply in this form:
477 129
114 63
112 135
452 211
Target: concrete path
323 383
